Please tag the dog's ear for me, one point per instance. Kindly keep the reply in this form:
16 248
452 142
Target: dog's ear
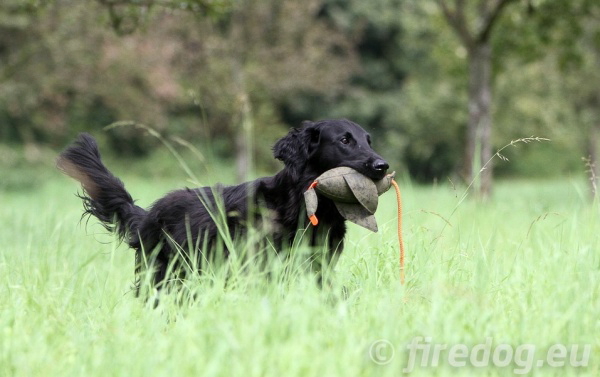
295 148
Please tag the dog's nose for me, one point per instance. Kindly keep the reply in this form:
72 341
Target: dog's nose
380 165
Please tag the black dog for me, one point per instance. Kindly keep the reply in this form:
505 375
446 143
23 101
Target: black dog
188 215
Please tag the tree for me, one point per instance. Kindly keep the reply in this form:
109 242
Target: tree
17 47
60 70
208 70
255 57
567 33
370 95
573 29
246 59
474 27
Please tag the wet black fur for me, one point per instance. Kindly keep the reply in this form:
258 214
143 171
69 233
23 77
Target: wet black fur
306 152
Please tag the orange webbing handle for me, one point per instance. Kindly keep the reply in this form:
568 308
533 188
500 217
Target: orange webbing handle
399 199
313 218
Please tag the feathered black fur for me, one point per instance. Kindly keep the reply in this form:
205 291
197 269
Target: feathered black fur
185 215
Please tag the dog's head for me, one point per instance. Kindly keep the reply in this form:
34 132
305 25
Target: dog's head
319 146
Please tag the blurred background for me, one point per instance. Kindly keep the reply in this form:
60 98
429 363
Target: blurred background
440 84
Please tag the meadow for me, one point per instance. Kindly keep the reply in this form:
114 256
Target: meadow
499 288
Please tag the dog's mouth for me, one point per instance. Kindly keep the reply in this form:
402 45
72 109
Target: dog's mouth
377 175
373 174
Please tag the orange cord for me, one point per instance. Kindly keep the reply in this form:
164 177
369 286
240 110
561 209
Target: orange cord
313 218
315 221
399 199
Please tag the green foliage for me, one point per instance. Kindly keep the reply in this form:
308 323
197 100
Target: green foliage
62 77
199 70
25 168
368 99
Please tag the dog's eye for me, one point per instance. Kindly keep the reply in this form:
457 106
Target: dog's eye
345 140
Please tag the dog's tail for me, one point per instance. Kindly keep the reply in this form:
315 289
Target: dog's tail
104 194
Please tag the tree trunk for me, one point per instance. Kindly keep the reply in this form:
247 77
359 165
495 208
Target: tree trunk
242 165
243 120
478 148
243 141
477 165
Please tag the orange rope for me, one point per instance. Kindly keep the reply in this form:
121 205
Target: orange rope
313 218
399 199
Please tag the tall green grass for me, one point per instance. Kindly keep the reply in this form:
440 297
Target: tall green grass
522 268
